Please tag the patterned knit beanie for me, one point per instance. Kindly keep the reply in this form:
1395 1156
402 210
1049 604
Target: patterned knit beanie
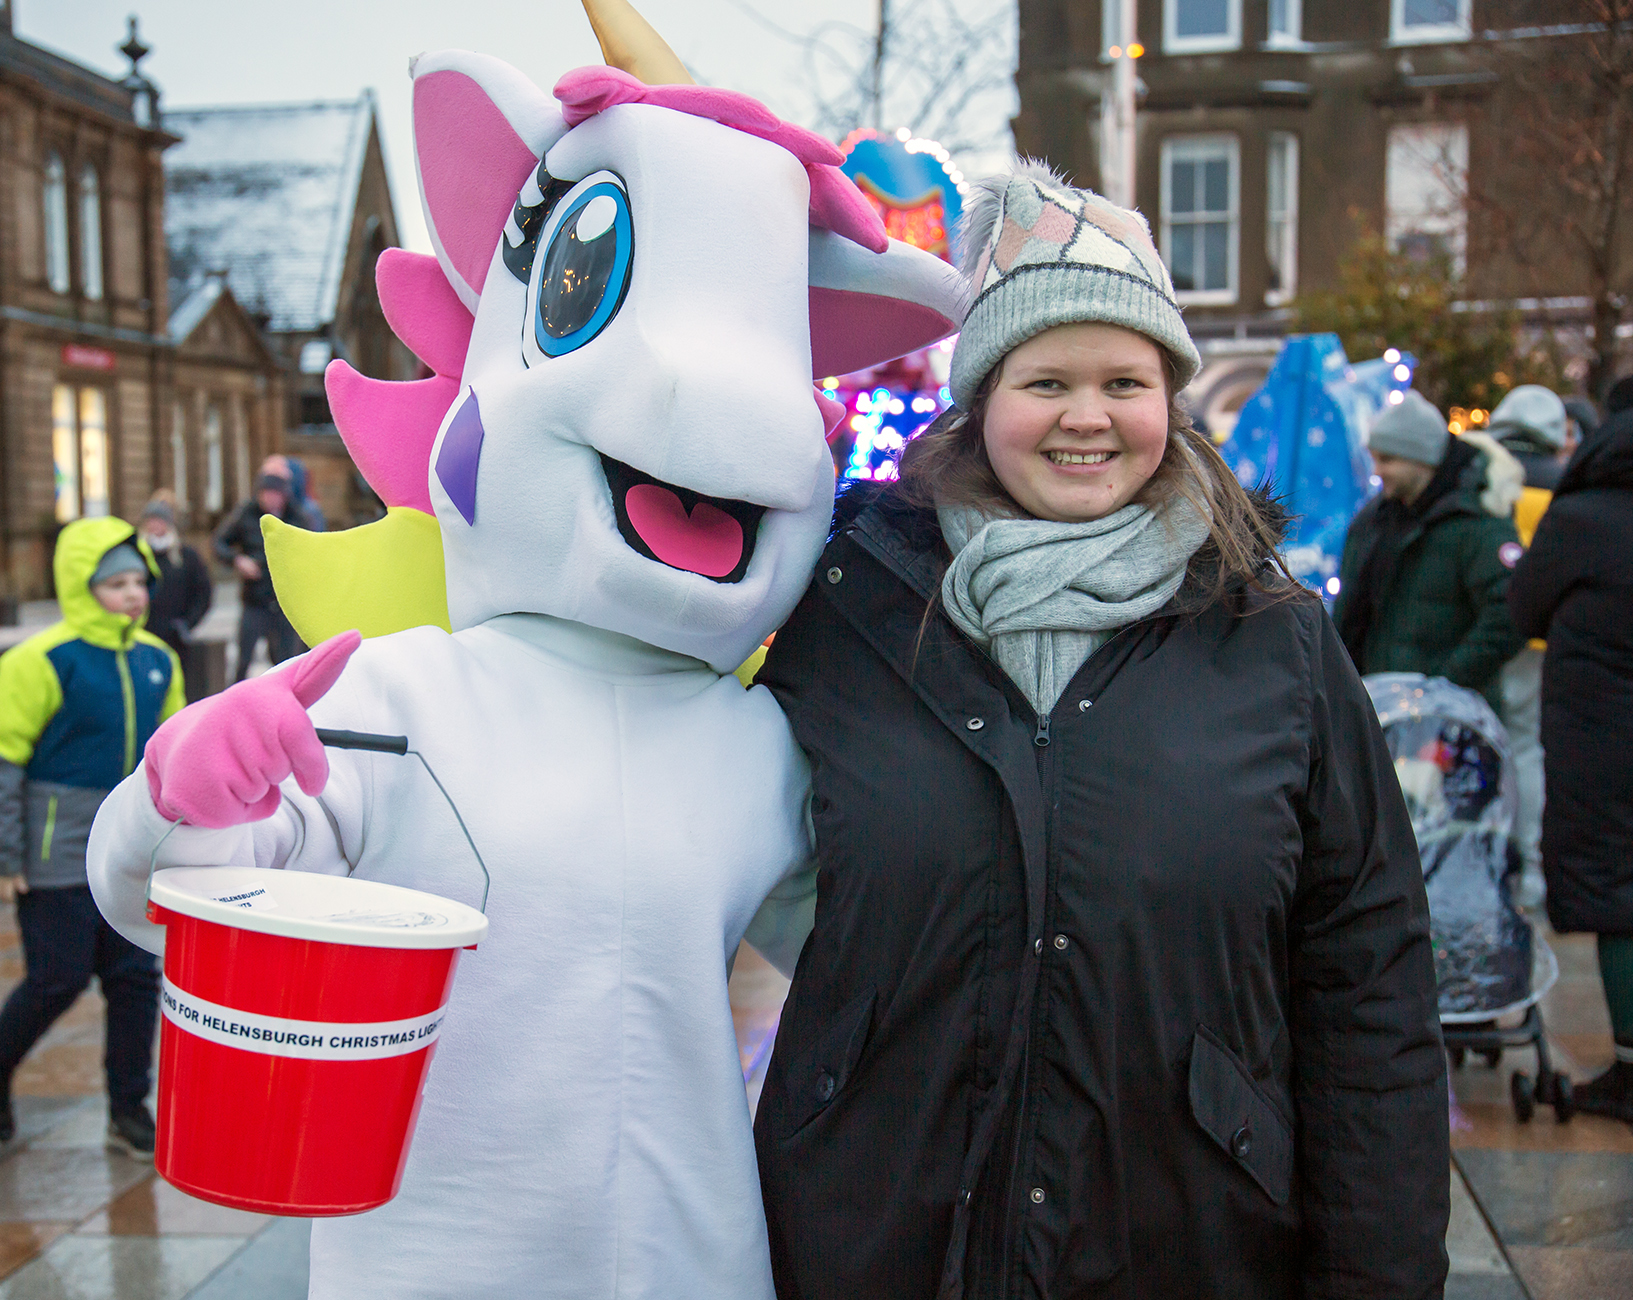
1038 253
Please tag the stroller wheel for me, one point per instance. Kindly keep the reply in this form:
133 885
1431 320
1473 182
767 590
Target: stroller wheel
1457 1054
1564 1098
1523 1095
1493 1057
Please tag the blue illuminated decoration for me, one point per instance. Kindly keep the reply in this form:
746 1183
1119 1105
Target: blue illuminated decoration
917 190
1303 435
912 183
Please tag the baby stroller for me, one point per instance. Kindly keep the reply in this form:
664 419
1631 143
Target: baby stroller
1451 754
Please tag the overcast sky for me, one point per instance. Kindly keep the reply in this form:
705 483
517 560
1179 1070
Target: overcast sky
209 52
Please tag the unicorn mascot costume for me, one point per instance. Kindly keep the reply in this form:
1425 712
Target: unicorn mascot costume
620 467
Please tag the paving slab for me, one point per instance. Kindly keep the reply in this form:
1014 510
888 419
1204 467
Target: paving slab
270 1267
119 1268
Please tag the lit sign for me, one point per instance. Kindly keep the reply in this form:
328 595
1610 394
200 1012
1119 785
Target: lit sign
88 358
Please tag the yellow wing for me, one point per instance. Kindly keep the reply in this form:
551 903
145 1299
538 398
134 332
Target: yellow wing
381 578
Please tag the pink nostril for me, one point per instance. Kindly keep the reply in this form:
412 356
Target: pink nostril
832 412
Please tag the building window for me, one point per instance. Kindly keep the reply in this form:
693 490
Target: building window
65 452
1281 217
1414 21
90 233
93 451
240 445
1286 22
79 451
1425 182
178 453
1200 26
215 477
56 226
1199 216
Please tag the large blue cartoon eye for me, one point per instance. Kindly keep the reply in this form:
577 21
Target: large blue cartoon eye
580 279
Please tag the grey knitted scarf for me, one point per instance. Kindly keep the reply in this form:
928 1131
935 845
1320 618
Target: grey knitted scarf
1041 597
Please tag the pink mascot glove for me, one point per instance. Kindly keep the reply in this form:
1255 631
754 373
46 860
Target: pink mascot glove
218 762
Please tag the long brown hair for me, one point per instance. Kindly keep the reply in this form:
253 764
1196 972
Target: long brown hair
948 466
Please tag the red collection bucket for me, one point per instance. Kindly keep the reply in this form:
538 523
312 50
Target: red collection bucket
301 1012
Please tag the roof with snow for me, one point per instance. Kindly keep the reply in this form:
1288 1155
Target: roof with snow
266 193
196 306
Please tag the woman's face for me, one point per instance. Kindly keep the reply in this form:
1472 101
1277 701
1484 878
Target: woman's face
1077 421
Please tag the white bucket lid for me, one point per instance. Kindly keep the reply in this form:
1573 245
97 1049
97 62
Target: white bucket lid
330 909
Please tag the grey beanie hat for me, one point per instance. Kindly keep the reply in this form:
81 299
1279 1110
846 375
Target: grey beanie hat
1412 430
1532 409
1038 253
120 559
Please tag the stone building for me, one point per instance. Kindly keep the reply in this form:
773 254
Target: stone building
226 409
84 356
289 205
1267 128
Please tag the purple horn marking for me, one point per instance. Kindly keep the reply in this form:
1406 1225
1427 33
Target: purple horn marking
460 454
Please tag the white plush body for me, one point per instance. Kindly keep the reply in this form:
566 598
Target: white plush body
584 1131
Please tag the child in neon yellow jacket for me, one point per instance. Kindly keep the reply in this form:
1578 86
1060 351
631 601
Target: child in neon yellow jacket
78 702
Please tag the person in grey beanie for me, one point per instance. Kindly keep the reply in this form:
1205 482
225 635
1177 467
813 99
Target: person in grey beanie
1119 978
1423 582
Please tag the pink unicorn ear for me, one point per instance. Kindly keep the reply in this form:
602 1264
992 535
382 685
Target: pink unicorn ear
480 128
868 308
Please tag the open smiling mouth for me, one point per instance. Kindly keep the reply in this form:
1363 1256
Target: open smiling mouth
712 536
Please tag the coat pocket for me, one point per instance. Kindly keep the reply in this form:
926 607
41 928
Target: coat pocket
816 1077
1232 1111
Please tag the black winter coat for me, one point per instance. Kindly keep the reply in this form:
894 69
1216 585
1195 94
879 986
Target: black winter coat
1134 1000
1575 587
240 534
1424 587
181 597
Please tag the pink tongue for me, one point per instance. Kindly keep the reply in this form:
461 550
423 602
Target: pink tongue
708 541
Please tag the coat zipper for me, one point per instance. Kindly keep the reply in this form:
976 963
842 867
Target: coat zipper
127 690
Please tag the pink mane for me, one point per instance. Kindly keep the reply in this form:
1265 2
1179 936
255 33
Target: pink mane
390 428
836 203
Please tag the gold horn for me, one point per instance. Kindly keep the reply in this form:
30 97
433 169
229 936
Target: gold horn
628 42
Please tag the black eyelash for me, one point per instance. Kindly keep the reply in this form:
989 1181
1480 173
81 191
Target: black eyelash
530 221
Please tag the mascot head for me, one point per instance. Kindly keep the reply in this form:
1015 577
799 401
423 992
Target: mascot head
634 286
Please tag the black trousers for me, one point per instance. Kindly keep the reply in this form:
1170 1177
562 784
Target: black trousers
65 942
267 621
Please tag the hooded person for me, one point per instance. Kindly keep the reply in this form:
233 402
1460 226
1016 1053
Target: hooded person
1575 588
181 595
1426 563
1056 1032
78 702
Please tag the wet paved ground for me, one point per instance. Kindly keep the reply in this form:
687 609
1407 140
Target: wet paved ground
80 1223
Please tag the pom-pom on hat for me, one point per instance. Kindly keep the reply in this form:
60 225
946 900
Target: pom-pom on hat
1038 253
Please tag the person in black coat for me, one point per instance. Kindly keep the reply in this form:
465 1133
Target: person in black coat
181 596
1575 587
238 542
1119 982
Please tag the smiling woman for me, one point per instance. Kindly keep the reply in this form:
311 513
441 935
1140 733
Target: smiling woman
1120 978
